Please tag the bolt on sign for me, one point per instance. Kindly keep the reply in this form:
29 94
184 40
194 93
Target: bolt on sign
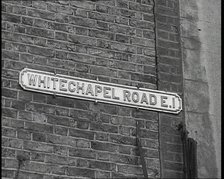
94 90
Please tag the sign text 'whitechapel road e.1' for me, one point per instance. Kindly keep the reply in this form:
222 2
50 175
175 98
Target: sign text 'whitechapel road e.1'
73 87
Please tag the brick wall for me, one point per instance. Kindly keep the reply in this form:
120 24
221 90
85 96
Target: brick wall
58 137
170 78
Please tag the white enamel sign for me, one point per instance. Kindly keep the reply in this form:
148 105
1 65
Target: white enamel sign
73 87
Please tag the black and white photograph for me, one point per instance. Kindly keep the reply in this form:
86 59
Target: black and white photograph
111 89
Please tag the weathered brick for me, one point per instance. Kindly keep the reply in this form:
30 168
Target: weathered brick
37 146
81 22
81 12
39 157
124 159
122 38
41 14
62 18
82 143
41 51
148 115
103 127
128 169
140 7
173 166
101 136
119 139
57 120
102 165
14 65
8 152
8 132
121 29
13 143
59 9
84 5
61 130
142 42
101 174
82 153
122 20
39 127
166 11
101 34
81 134
11 18
103 71
9 93
24 134
56 159
9 112
104 146
24 115
102 8
103 17
10 54
76 114
27 21
168 44
173 174
61 111
35 107
171 139
174 157
8 173
18 124
10 74
11 163
80 172
61 36
148 34
39 137
122 4
19 105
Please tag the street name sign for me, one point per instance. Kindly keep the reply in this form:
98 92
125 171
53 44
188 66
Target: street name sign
94 90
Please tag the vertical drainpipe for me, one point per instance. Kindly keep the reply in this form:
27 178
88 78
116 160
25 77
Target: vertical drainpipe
157 84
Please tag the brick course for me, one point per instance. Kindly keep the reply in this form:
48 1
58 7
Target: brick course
113 41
